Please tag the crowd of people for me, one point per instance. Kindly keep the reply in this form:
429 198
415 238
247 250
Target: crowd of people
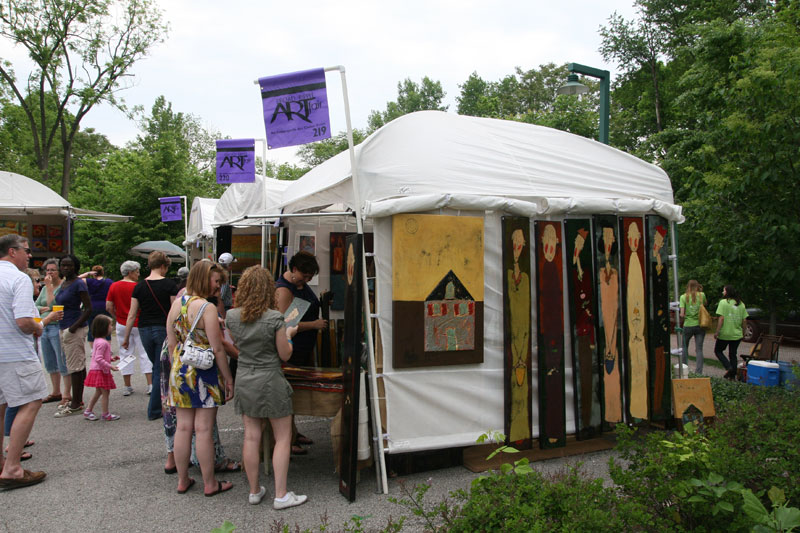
153 319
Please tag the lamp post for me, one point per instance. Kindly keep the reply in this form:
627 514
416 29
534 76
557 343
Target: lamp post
573 86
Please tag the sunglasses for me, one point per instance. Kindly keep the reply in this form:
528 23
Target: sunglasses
26 250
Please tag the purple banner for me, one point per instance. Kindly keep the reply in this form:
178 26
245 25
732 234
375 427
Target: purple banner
171 208
295 108
236 161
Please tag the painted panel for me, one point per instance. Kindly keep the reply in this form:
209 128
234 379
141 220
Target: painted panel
635 323
608 315
586 366
337 266
550 294
658 317
351 365
517 330
437 290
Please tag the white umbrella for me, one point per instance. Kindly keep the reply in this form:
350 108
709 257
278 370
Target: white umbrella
174 252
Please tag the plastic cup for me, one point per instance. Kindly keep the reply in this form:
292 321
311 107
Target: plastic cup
57 308
38 319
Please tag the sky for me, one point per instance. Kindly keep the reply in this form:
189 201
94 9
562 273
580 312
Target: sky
215 51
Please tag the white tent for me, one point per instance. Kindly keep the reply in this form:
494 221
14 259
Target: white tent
201 220
241 198
441 163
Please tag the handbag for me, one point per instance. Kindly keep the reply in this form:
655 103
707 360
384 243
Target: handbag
192 355
704 318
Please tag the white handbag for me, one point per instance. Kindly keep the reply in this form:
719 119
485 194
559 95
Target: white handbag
200 358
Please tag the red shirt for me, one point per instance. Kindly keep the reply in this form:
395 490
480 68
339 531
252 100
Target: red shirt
120 295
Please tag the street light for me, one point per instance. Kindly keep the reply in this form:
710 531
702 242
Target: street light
573 86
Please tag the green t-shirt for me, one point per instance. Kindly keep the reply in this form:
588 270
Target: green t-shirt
692 309
734 315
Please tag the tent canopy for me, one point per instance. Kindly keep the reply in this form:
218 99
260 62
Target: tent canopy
239 199
20 196
173 251
432 159
201 219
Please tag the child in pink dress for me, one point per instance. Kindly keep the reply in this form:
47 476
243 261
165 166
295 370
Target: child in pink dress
100 370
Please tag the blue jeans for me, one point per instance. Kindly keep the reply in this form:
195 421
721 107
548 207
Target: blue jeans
11 414
50 342
699 335
152 339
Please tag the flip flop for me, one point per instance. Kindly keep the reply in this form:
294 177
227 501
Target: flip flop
297 450
220 488
189 486
52 398
29 443
25 456
173 470
228 466
302 439
28 478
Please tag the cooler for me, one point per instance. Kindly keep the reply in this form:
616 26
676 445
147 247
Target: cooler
763 373
787 378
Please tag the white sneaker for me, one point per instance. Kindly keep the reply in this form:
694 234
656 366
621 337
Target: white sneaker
290 500
127 391
149 389
255 499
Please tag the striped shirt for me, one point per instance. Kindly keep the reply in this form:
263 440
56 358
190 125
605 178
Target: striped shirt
16 301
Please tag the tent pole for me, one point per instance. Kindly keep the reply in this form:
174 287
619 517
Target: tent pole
383 485
676 288
186 233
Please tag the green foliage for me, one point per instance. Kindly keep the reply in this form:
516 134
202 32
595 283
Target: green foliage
313 154
226 527
411 97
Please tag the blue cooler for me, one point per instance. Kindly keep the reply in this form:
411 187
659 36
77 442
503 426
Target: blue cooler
788 379
763 373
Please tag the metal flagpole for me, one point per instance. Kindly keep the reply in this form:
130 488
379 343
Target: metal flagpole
678 334
383 485
186 231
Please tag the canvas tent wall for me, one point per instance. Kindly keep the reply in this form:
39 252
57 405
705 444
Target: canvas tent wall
43 216
440 163
248 238
200 235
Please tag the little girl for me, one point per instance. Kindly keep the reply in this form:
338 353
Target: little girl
100 370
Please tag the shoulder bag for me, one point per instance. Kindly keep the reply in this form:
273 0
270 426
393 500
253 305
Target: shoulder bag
192 355
704 318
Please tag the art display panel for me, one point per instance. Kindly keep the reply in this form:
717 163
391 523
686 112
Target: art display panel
658 317
608 316
518 391
437 290
337 267
586 376
550 296
635 322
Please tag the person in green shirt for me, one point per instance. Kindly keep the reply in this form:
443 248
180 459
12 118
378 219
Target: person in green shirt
732 315
690 303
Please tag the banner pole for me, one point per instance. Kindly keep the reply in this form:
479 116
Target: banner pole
383 485
186 232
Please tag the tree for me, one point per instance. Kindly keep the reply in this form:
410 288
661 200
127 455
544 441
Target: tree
313 154
80 54
411 97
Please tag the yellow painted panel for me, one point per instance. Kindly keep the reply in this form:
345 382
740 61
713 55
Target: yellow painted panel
426 247
695 391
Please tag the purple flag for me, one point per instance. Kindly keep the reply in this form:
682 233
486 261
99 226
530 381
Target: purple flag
171 208
295 108
236 161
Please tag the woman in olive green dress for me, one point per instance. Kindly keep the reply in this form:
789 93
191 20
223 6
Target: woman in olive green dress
261 390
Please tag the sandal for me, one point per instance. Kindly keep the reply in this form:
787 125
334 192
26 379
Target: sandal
220 488
52 398
302 439
228 466
189 486
297 450
24 456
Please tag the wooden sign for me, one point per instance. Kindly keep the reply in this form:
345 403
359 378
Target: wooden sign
586 367
608 323
351 365
437 290
690 395
516 243
635 318
550 295
658 317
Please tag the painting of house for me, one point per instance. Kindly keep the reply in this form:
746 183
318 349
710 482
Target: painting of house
449 317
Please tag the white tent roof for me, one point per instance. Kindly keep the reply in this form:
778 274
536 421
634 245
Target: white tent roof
431 159
263 195
201 218
20 196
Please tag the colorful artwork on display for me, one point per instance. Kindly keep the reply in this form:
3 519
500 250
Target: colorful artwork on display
437 284
658 317
39 231
693 400
247 251
55 232
39 244
7 227
518 390
337 266
586 376
55 245
550 293
351 367
608 322
635 313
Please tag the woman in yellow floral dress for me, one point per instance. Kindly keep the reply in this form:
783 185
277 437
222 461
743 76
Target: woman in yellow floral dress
194 393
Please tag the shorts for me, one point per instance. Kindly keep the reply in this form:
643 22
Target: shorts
74 347
21 382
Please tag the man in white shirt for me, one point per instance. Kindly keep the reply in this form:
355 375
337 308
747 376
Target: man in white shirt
22 382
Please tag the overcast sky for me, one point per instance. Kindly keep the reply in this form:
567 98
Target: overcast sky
215 50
